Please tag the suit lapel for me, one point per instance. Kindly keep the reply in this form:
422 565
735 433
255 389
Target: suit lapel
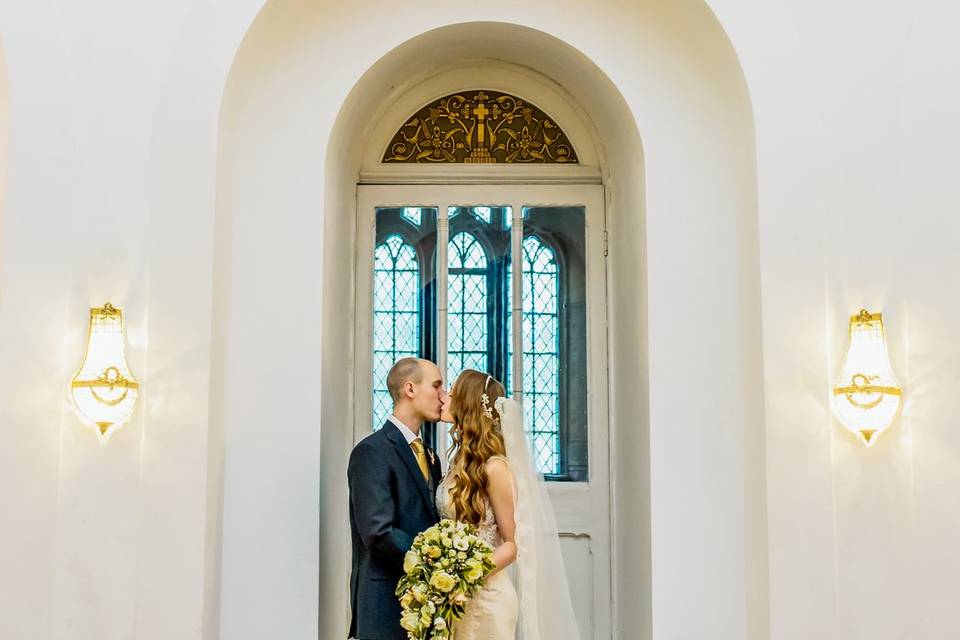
406 454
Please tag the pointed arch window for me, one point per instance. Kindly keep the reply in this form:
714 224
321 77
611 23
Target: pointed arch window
467 293
541 351
396 314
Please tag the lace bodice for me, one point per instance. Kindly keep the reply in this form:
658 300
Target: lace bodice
487 530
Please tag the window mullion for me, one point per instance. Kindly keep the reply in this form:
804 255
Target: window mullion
516 290
443 240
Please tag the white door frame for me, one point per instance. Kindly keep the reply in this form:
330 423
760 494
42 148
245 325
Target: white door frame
582 509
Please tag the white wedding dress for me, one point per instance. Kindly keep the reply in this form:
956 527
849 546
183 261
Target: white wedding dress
492 613
541 601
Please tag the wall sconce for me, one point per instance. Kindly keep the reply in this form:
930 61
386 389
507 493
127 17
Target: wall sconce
104 389
866 396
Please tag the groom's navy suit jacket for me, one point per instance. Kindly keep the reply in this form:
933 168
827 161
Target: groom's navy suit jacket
390 503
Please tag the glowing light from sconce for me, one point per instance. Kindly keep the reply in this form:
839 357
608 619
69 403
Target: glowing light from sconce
867 396
104 390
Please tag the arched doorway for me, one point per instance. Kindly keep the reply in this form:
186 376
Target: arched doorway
446 205
283 126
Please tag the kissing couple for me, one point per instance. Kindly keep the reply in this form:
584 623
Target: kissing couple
397 490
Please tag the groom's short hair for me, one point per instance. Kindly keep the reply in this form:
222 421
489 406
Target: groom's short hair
403 370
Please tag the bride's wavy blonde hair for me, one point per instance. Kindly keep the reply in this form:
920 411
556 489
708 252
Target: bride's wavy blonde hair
476 438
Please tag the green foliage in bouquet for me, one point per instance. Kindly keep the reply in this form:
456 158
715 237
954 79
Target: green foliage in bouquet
443 570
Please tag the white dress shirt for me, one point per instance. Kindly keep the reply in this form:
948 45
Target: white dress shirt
409 435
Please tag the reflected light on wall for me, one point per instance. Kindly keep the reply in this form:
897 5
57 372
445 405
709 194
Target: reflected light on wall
104 390
867 396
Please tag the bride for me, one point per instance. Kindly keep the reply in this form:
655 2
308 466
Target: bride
493 484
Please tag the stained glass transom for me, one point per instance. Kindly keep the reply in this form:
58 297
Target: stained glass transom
480 127
396 317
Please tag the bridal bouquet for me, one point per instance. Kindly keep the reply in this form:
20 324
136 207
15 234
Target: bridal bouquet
443 570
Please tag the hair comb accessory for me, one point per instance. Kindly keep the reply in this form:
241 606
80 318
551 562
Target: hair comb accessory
487 409
485 401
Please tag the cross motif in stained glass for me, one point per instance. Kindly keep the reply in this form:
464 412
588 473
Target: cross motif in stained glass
396 316
466 305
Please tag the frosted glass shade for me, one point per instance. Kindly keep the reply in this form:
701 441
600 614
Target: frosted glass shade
866 396
104 390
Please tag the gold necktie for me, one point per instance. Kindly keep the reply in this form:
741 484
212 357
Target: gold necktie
418 453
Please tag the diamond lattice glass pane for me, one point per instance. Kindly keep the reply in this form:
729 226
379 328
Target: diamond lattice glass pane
454 365
474 258
396 318
483 213
474 327
412 214
405 332
474 293
545 335
476 361
383 331
540 340
454 333
467 326
466 253
554 302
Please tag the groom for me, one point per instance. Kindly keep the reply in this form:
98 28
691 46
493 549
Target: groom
392 478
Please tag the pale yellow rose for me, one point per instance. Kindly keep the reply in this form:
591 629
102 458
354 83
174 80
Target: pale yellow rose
410 621
432 551
474 570
410 561
443 582
420 592
406 599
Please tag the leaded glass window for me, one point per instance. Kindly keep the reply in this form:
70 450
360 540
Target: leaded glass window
541 353
478 313
467 337
396 322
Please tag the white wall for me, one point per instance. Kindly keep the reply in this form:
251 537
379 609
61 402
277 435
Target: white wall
104 201
116 189
857 154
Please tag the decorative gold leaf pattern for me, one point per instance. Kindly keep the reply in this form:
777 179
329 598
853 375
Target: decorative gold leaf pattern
480 127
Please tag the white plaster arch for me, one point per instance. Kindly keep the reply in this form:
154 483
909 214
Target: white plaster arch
682 216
